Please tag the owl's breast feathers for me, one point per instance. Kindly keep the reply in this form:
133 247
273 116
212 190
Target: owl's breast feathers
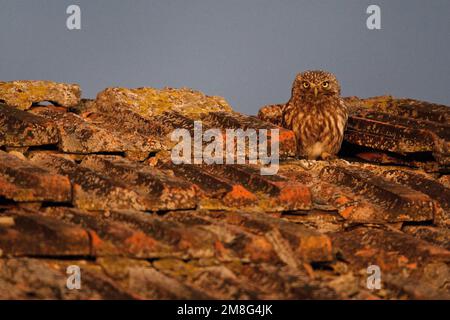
319 126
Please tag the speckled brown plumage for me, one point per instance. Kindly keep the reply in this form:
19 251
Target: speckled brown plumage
317 115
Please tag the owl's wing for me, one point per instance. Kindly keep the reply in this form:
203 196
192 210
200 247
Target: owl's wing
272 113
345 111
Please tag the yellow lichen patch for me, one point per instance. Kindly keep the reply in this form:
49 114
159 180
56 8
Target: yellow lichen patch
150 102
22 94
175 267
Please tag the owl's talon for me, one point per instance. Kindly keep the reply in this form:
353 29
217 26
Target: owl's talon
307 164
343 162
339 162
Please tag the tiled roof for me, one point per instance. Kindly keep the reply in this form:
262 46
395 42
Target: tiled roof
90 183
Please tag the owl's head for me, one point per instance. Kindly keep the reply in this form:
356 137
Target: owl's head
315 85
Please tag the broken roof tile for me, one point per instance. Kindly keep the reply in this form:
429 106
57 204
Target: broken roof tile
400 125
22 94
150 102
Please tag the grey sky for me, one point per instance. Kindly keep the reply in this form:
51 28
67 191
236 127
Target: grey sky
245 50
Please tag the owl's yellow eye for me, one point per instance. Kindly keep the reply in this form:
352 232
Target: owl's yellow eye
325 84
305 84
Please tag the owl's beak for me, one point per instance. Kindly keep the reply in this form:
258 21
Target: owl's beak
316 91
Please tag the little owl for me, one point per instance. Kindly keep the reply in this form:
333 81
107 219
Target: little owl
316 114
